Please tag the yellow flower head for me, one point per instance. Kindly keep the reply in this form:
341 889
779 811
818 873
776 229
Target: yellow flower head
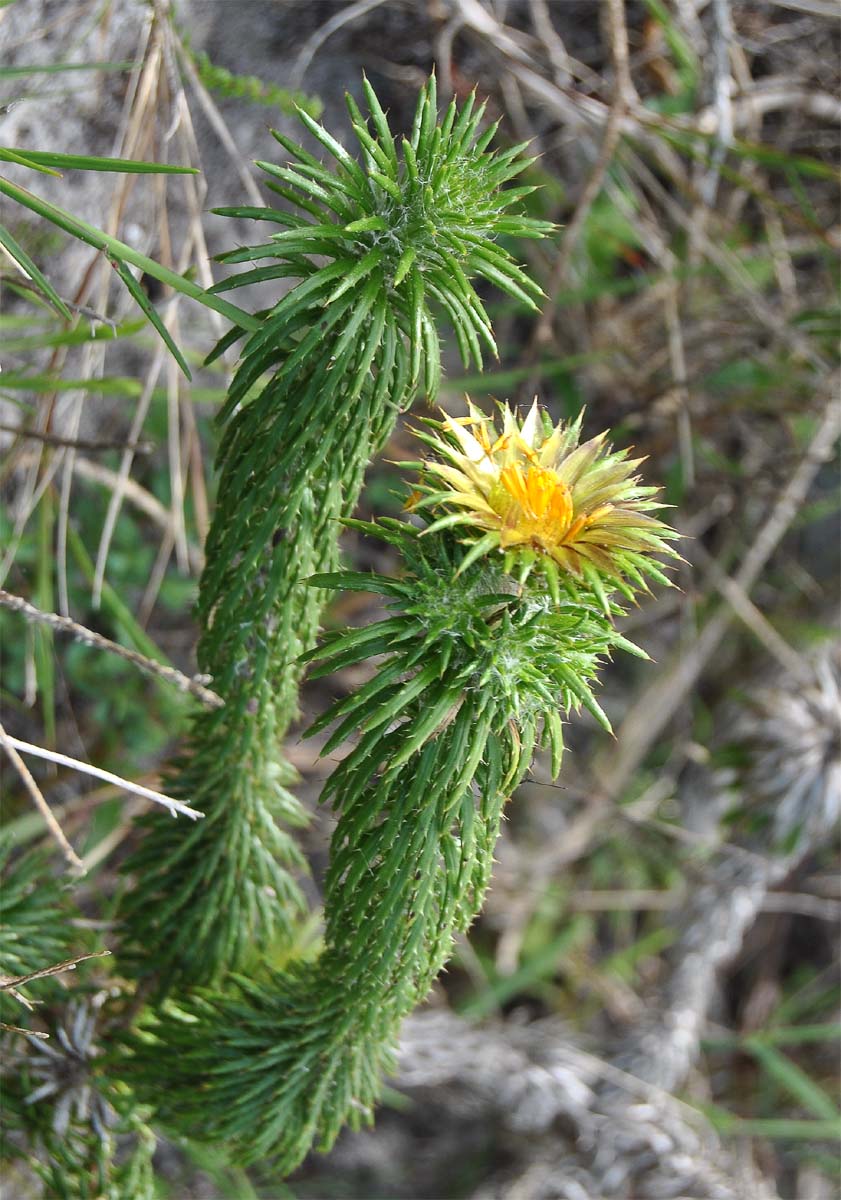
541 496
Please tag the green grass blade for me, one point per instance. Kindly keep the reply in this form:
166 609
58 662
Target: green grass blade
781 1035
13 156
59 68
25 262
540 966
779 1128
136 636
88 162
112 246
43 637
142 300
81 334
793 1079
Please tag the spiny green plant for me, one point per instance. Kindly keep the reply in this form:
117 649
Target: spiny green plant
52 1095
93 1138
380 246
476 666
246 87
33 924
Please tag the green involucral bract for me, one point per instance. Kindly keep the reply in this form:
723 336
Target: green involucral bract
475 671
381 247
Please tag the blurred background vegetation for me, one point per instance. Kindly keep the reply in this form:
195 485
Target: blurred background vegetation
649 1005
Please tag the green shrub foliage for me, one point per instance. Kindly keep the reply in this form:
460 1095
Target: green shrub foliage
476 671
381 248
499 617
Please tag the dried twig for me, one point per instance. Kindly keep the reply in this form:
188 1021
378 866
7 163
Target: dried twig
722 37
753 619
732 270
9 983
10 745
818 8
674 899
533 1080
115 503
719 913
133 134
220 128
677 360
64 760
554 46
176 464
184 683
53 439
139 496
313 44
623 96
26 284
7 1028
657 705
767 97
444 57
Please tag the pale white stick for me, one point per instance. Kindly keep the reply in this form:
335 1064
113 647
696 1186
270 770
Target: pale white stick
8 744
64 760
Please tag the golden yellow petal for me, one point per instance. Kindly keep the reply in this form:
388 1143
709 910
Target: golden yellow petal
512 480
